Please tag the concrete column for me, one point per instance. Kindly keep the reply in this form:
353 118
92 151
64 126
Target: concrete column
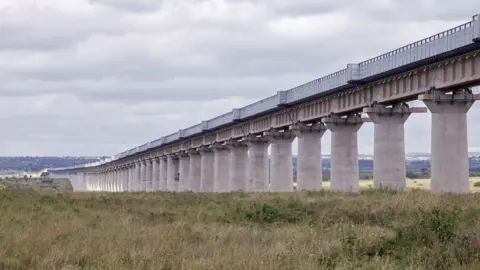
207 161
104 181
114 180
172 173
238 166
143 175
281 165
309 158
128 173
221 168
149 175
107 180
131 174
155 174
124 178
258 177
195 171
449 143
162 185
184 169
118 180
344 154
389 169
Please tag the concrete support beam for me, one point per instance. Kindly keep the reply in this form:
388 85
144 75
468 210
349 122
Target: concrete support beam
104 180
162 185
309 159
344 154
125 178
116 178
131 179
149 177
207 161
449 143
221 169
143 175
184 169
172 173
155 174
389 169
107 180
258 177
195 171
238 166
281 179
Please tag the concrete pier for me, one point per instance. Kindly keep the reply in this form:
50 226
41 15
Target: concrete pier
155 175
207 161
163 174
449 143
149 174
258 177
281 179
131 177
184 165
206 166
309 161
172 165
344 175
143 175
238 166
221 168
389 169
195 171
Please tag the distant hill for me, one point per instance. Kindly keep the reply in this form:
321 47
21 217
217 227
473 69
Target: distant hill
35 164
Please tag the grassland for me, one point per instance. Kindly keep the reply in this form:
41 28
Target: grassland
371 230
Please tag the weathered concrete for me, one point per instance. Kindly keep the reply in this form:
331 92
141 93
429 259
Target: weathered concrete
195 171
221 168
155 175
281 165
184 168
309 160
172 183
238 166
449 143
131 172
163 174
389 169
258 177
344 154
148 175
207 161
143 175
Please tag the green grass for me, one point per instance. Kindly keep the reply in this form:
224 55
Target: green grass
321 230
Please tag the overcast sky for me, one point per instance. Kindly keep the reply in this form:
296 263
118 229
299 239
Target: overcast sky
96 77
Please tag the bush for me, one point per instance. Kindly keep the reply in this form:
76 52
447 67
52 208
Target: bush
476 184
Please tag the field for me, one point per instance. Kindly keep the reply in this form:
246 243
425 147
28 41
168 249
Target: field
414 184
371 230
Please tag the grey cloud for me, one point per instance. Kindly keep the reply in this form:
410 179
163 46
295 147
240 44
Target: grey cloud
49 29
100 82
132 6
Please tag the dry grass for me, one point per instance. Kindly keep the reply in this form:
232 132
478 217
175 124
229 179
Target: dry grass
415 184
371 230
